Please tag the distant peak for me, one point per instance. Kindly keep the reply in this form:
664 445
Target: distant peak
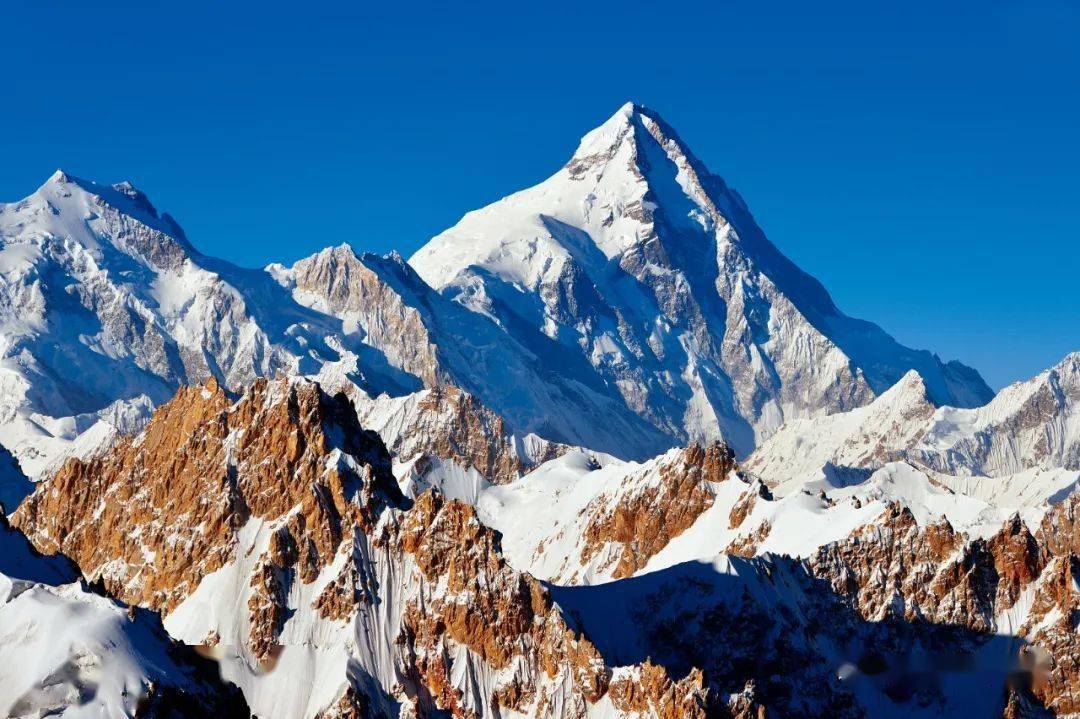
910 387
343 249
110 193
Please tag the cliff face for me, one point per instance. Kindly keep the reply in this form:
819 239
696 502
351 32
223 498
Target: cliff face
66 649
161 510
640 522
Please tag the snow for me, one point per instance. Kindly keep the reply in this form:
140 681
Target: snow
65 651
627 304
543 516
106 308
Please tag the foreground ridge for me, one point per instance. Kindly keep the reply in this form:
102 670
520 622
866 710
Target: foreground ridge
277 502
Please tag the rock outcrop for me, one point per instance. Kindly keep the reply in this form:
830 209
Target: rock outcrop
642 520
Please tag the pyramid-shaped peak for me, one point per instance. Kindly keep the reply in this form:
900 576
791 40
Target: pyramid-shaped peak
58 178
631 111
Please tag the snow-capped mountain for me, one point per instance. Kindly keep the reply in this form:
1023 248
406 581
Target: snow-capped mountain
628 304
438 341
1034 424
326 591
106 308
322 590
638 262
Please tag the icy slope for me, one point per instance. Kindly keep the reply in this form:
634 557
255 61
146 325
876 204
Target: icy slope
637 260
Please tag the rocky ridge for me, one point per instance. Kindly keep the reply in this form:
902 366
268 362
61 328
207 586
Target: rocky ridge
277 502
1034 424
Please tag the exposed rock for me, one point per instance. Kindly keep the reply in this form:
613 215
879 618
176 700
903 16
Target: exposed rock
649 691
162 510
644 520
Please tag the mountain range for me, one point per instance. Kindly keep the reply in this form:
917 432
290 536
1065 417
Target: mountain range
598 450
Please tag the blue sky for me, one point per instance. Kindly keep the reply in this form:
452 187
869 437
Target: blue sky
923 162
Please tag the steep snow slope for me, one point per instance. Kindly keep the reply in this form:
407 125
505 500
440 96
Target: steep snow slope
861 439
67 652
636 259
106 308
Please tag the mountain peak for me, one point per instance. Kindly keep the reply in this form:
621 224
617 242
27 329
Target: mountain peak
124 196
605 139
58 178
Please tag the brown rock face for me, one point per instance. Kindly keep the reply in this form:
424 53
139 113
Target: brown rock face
895 569
1060 528
162 510
158 512
652 693
643 522
499 614
747 545
894 559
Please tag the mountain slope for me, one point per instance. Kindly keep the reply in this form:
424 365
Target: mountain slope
268 528
1035 423
636 259
790 600
438 341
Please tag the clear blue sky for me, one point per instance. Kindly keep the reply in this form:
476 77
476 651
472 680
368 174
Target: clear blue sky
923 161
